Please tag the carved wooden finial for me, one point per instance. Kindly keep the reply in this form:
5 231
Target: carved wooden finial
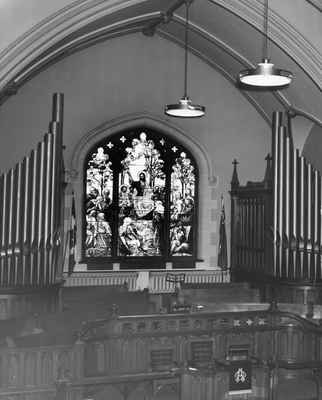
269 169
234 179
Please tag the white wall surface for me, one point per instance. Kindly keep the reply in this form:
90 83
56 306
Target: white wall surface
133 75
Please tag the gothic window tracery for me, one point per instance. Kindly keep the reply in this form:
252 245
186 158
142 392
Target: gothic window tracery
141 201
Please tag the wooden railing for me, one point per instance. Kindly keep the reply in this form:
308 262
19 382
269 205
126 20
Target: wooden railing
161 347
295 339
153 348
34 371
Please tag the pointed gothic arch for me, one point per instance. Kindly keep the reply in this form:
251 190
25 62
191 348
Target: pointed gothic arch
134 125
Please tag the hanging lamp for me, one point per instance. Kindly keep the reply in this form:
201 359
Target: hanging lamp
265 75
185 108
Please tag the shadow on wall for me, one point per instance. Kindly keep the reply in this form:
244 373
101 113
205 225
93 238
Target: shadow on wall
312 149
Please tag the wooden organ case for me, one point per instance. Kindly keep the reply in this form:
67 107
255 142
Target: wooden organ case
31 221
276 224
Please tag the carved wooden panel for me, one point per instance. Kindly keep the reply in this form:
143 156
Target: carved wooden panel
161 359
201 351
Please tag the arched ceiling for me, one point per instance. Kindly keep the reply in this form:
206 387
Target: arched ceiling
226 34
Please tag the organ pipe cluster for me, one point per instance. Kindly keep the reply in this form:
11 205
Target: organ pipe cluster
31 213
297 210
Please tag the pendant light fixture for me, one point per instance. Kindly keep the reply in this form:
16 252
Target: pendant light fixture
265 75
185 108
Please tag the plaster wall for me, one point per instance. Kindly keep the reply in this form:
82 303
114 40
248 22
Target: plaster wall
139 75
312 148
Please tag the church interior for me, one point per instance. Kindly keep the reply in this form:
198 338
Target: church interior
161 200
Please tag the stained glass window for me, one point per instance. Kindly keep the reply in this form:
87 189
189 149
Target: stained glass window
182 206
140 205
99 192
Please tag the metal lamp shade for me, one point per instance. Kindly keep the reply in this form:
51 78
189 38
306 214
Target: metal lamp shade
185 109
265 75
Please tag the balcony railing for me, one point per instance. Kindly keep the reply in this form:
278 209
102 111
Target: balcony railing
154 281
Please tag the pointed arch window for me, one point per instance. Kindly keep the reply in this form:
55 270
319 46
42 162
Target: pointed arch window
140 207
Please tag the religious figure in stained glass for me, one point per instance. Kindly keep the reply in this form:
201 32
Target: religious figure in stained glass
141 211
182 206
99 187
140 198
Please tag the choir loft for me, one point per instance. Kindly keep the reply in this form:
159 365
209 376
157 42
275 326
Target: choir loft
144 256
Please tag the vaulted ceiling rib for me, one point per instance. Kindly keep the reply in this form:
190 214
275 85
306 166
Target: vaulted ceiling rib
224 33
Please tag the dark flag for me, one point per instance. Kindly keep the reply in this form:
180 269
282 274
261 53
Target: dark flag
72 238
240 377
222 248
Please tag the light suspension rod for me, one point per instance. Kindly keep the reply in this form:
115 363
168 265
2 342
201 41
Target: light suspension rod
265 44
185 108
265 75
186 50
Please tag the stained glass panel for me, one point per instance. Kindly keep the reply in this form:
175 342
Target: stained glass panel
182 203
141 199
99 193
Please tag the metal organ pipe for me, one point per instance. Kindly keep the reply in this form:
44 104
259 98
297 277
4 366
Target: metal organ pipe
281 200
288 205
54 206
277 118
26 224
5 225
301 215
11 228
48 206
17 245
41 205
296 265
310 223
34 217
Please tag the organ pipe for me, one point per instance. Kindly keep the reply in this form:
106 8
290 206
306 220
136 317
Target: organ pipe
26 223
4 236
48 206
41 222
275 145
18 231
287 205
